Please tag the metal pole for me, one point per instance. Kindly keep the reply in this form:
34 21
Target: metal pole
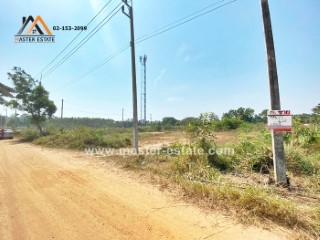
141 89
134 78
145 88
6 119
277 137
122 118
61 109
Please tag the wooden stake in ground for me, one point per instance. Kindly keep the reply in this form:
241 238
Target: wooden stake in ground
277 137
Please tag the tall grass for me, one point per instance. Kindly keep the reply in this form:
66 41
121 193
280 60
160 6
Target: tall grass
80 138
231 182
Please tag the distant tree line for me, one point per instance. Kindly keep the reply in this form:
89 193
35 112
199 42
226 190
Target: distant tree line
30 97
233 119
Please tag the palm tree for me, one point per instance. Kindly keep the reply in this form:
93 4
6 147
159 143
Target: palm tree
5 91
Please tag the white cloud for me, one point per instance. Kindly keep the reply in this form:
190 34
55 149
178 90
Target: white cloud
160 76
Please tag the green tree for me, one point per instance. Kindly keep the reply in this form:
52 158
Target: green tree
245 114
169 121
262 117
316 112
187 120
5 91
208 117
31 97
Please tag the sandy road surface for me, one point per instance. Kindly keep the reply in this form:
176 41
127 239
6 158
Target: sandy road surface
53 194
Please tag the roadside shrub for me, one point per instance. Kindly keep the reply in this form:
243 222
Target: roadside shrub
255 154
307 137
29 135
83 137
223 163
201 135
300 163
228 124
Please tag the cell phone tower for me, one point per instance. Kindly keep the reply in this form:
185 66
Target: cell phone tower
143 61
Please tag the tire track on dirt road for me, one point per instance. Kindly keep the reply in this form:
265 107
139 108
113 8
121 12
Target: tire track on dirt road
56 194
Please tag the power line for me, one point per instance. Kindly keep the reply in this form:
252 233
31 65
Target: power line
156 33
85 40
179 20
70 43
94 67
153 34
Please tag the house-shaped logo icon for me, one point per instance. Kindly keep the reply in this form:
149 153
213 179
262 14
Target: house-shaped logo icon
37 32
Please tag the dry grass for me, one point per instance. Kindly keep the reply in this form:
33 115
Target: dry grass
245 196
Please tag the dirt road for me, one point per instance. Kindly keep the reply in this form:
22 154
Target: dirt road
53 194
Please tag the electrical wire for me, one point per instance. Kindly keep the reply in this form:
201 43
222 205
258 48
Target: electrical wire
70 43
145 37
84 40
157 33
76 79
179 20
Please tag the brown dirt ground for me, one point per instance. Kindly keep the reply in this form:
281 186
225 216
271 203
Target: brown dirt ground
57 194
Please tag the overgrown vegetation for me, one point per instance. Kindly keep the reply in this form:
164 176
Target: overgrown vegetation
79 138
240 183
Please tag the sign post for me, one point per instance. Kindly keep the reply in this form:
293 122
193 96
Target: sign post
279 160
280 120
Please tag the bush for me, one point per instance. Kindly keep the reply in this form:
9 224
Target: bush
228 124
254 154
29 135
300 163
82 137
304 136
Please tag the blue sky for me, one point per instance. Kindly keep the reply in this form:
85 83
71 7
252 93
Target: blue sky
214 63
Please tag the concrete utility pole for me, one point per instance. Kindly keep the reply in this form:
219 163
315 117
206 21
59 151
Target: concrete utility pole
134 77
279 161
61 109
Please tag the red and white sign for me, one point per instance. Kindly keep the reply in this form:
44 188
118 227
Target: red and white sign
280 120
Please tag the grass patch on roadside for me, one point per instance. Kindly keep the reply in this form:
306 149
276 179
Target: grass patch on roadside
212 189
79 138
239 184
